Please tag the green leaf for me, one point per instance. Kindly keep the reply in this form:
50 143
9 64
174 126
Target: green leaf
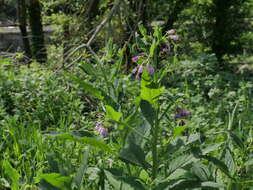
86 140
218 163
148 111
178 131
153 49
111 114
121 181
78 180
150 91
229 161
212 184
86 86
11 173
88 68
142 30
55 179
236 140
211 148
134 154
201 171
180 162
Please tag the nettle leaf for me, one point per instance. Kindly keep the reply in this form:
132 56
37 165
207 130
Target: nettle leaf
111 114
218 163
55 179
11 173
121 181
148 111
86 86
133 153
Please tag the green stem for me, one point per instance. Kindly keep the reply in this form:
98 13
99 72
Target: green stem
155 131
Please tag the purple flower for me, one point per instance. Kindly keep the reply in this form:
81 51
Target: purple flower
173 37
136 58
101 130
182 113
172 31
150 69
134 70
140 70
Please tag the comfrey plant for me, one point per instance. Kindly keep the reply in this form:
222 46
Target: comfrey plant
149 144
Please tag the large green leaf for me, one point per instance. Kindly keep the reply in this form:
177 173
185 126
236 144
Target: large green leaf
236 139
133 153
149 90
86 86
201 171
12 174
212 184
217 163
121 181
55 179
86 140
180 162
78 180
229 161
148 111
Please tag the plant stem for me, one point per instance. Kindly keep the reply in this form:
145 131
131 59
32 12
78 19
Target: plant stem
155 132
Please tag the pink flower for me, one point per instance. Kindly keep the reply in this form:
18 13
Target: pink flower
101 130
172 31
136 58
150 69
173 37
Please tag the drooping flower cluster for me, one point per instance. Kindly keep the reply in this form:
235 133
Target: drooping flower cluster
140 68
101 130
170 36
181 113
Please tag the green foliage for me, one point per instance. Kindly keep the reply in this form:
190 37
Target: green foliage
184 125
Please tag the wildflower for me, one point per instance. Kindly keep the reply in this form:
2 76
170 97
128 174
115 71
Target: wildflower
150 69
172 31
136 58
173 37
101 130
181 113
140 70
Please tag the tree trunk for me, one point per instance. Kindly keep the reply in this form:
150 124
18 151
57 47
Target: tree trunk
22 16
92 10
173 15
38 44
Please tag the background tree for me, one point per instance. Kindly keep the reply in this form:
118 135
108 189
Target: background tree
22 18
35 19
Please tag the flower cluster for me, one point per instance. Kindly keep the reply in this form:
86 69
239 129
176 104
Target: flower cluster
181 113
101 130
140 68
170 36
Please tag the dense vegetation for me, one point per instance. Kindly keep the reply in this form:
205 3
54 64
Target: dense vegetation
129 95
